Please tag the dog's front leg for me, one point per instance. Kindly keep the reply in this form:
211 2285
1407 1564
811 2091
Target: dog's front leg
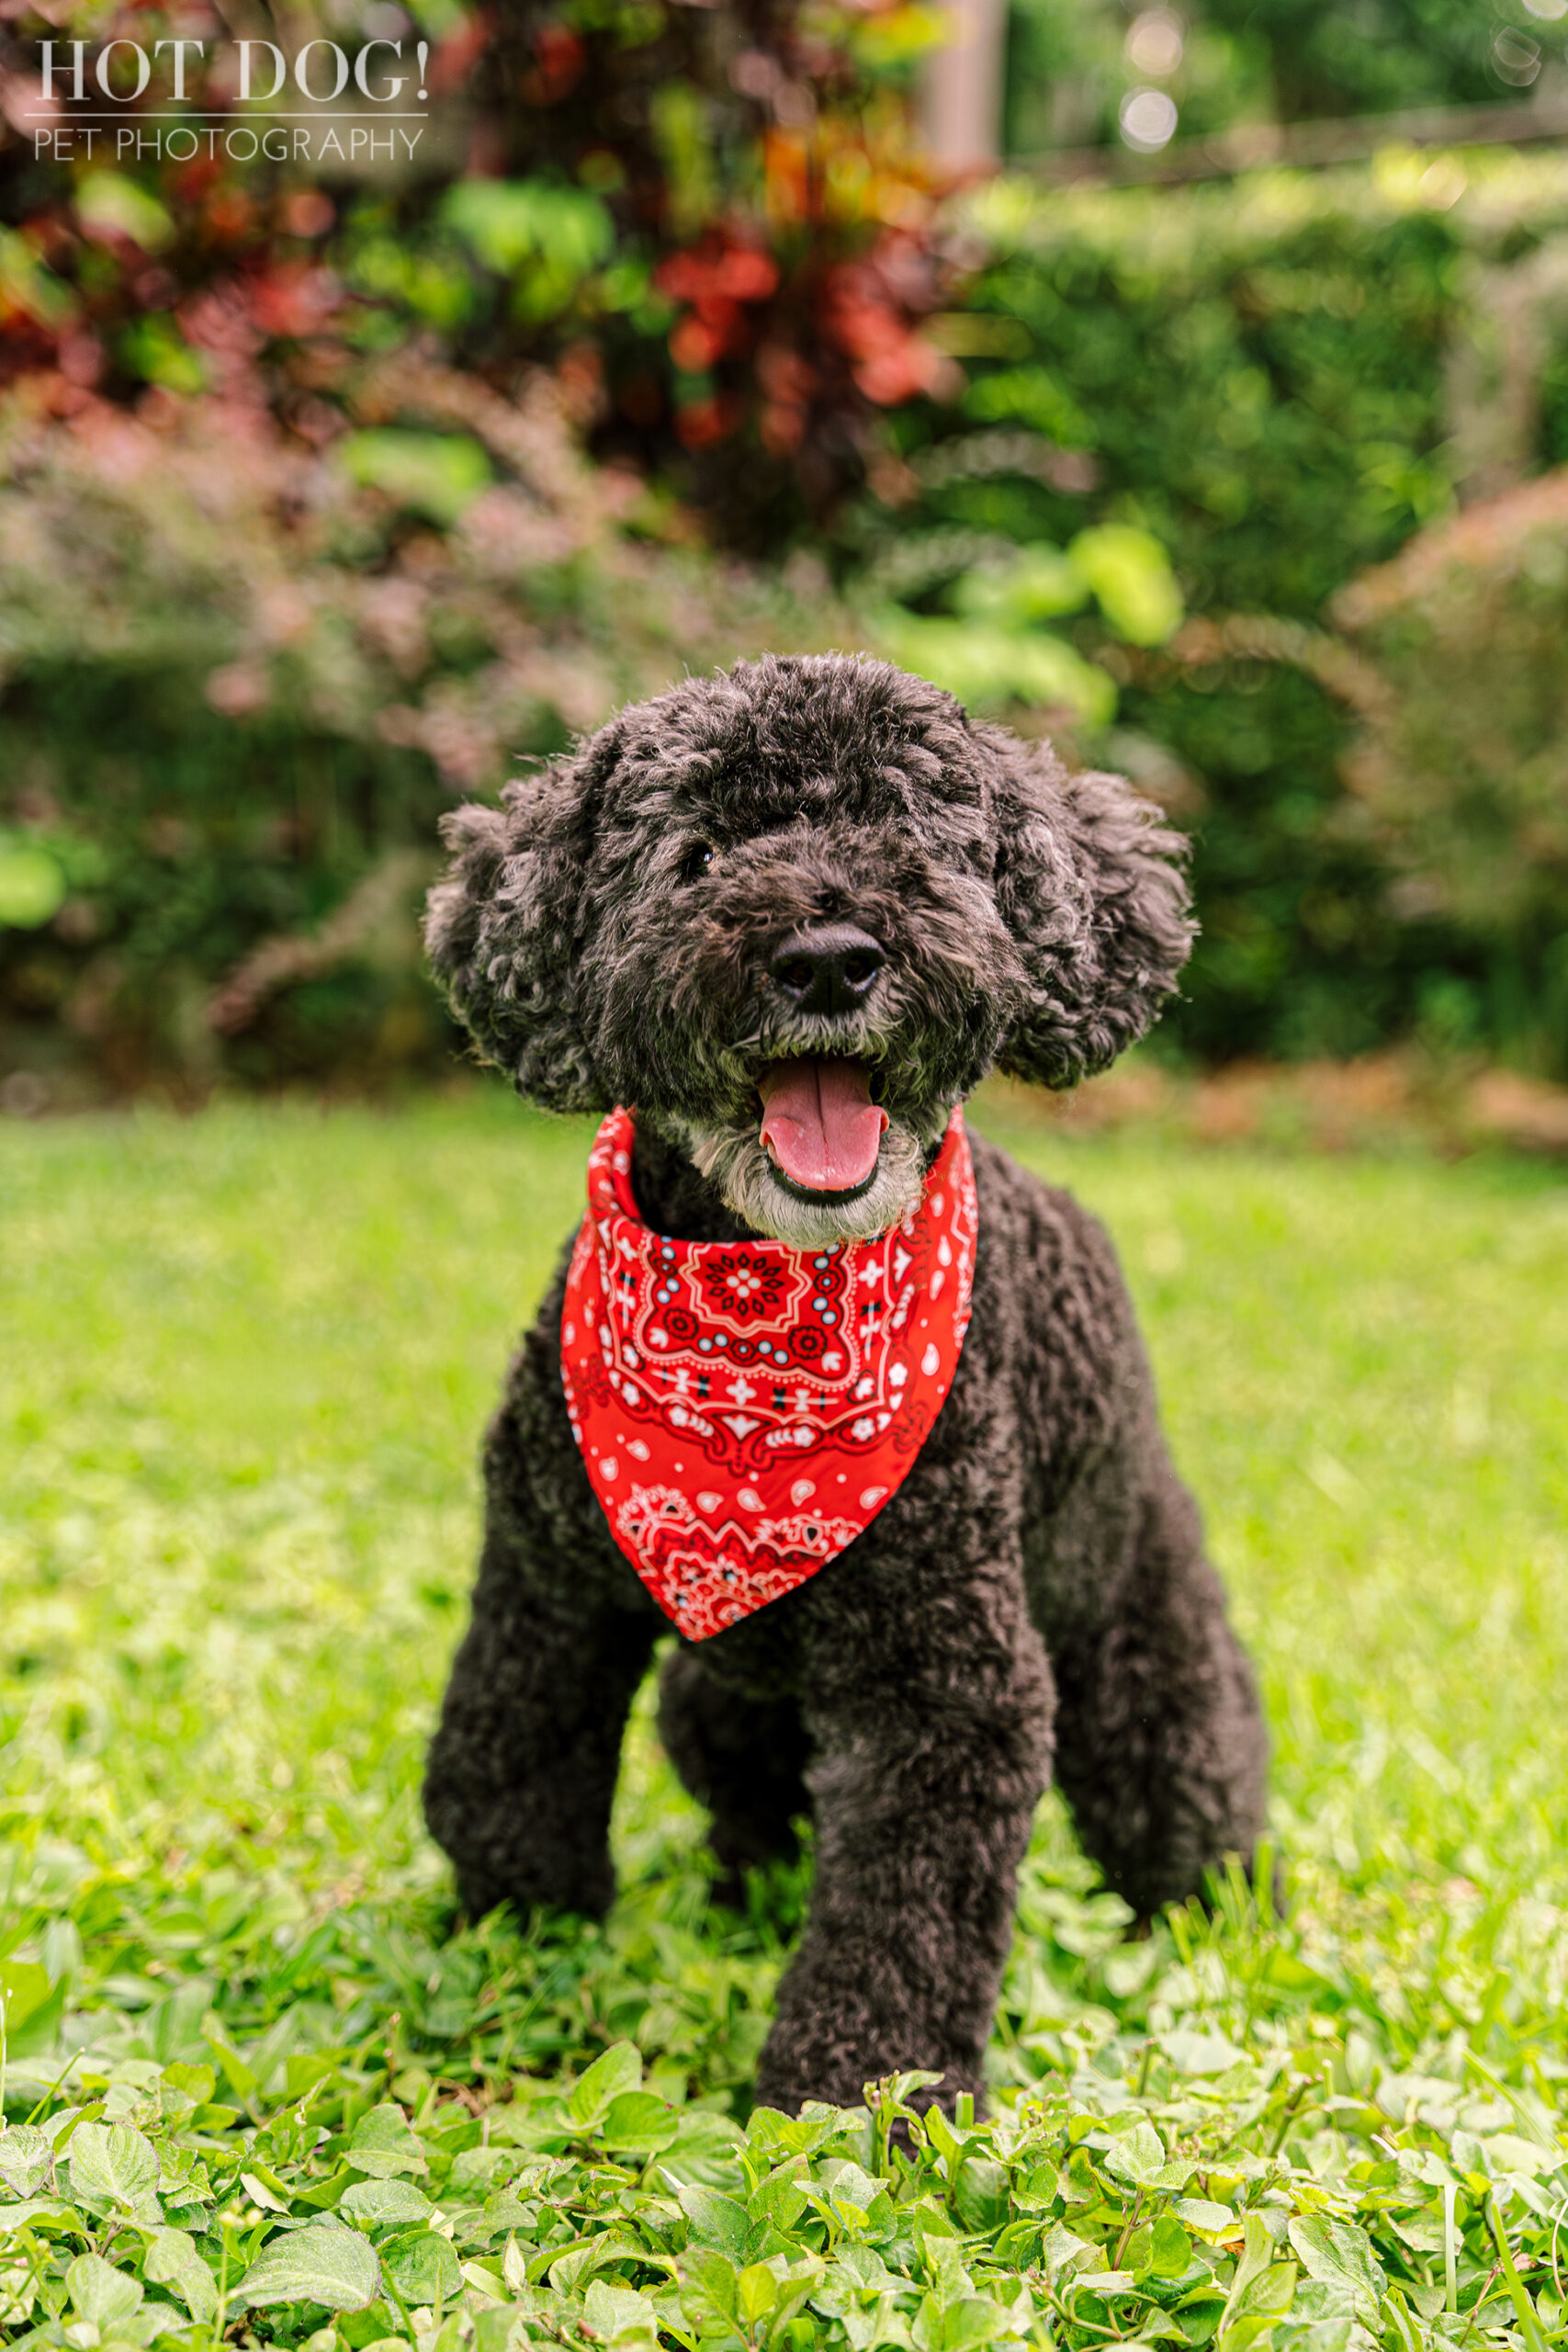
931 1721
522 1767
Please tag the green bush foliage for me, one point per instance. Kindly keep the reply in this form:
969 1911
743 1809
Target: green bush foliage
721 217
1263 376
1462 767
1071 64
1167 429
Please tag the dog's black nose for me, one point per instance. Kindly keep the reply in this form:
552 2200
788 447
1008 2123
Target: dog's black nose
832 970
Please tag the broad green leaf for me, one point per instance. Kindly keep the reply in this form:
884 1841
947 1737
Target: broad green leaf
1507 2152
304 2069
502 2210
1340 2254
797 2135
780 2199
1138 2254
474 2170
620 2315
1130 573
981 2196
1019 2243
1270 2292
1256 2253
618 2070
114 2161
568 2271
107 200
260 2194
422 2265
25 2158
1206 2219
1038 2189
976 2321
704 2154
943 2259
1035 397
989 666
1201 2313
957 2327
495 2330
756 2291
949 2144
901 2088
715 2221
183 2177
797 2283
33 889
1038 584
510 222
1200 2053
853 2184
195 2083
1171 2251
324 2263
436 474
1065 2250
36 2212
383 2145
172 2261
101 2293
384 2201
1138 2158
711 2279
531 2267
450 2336
1244 2332
640 2123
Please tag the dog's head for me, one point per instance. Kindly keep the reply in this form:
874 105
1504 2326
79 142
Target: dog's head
794 914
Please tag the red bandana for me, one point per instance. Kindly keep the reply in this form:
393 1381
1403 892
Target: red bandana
744 1409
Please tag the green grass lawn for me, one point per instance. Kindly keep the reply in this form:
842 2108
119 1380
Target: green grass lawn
244 1364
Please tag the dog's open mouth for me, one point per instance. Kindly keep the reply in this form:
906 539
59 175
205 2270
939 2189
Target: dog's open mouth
820 1128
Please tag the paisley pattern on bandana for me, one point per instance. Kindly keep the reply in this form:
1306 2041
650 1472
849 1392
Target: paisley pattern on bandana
744 1409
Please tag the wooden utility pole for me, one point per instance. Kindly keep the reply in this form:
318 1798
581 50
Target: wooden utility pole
963 98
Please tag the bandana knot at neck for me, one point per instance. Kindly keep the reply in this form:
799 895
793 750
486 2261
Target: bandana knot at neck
744 1409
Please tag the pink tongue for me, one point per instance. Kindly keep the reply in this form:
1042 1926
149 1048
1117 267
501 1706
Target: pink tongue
820 1124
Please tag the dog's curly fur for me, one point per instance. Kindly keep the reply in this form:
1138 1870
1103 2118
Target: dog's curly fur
1035 1598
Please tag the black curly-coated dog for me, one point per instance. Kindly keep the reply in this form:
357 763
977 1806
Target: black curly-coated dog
826 858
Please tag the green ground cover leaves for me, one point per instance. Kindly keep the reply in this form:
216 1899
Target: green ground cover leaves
1253 2206
256 2085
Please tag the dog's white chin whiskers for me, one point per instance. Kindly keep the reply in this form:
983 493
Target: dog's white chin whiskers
736 1163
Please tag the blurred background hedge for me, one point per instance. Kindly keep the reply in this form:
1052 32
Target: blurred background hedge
323 501
1285 379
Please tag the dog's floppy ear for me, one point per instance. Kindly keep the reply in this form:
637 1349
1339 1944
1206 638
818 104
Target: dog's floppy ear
505 926
1091 883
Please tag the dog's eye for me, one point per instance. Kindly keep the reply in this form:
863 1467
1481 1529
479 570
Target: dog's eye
697 862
